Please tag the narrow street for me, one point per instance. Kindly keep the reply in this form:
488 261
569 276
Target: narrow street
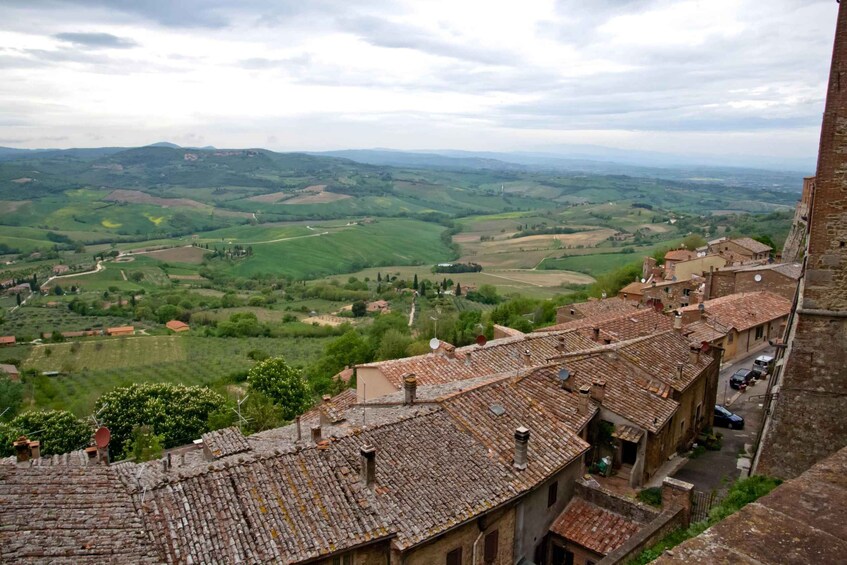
716 470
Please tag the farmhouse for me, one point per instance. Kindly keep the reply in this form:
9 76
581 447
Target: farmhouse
380 306
10 371
22 288
177 326
121 330
740 251
60 269
6 340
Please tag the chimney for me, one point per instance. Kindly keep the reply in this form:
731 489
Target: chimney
468 358
679 367
316 434
584 396
596 334
598 390
521 443
560 346
410 386
367 473
299 430
677 322
326 398
693 355
91 452
702 308
35 449
527 357
22 452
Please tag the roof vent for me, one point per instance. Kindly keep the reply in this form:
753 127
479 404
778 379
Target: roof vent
497 409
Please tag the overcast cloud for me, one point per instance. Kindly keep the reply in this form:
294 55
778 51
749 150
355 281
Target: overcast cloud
704 76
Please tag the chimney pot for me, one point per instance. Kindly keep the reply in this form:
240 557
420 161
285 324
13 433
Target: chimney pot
694 355
521 444
410 387
560 346
316 434
468 358
677 322
367 473
35 449
584 395
326 398
527 357
679 367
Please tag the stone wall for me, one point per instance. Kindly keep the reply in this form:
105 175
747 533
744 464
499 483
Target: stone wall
795 244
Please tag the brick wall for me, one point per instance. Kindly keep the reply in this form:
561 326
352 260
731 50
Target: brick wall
808 416
772 281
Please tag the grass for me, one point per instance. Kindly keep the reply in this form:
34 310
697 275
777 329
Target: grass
123 361
31 322
743 492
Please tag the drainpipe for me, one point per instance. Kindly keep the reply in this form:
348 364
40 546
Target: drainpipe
479 537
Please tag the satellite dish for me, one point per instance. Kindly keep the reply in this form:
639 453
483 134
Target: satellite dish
102 437
643 281
434 343
564 375
480 340
758 278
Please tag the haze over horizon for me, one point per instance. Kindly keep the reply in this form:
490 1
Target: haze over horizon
708 78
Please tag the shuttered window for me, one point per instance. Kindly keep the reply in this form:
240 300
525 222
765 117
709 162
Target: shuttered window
455 557
490 553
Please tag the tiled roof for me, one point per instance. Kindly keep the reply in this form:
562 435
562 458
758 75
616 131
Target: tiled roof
636 287
7 339
176 325
790 270
801 521
744 310
69 514
680 255
703 330
8 369
597 529
227 441
662 355
751 244
497 356
594 307
618 325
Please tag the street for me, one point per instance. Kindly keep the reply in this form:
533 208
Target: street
716 470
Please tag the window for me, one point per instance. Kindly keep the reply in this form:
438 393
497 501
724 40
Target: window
346 559
489 554
552 493
686 291
760 332
455 557
730 337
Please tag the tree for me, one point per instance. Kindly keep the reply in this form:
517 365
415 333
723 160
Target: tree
59 431
18 298
11 396
415 282
359 309
393 345
458 289
693 241
766 239
261 413
284 384
144 445
176 412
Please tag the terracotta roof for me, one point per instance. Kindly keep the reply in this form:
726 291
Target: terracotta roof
69 514
744 310
7 339
790 270
680 255
801 521
662 355
497 356
636 287
121 329
177 326
751 244
597 529
703 330
618 325
594 307
227 441
8 369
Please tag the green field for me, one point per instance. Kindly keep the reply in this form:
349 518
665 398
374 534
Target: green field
94 367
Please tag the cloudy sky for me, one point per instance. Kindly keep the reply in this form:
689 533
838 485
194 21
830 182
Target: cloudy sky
699 76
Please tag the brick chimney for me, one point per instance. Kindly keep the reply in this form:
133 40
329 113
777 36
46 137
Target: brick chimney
527 357
410 387
26 450
677 321
560 345
598 390
367 472
596 334
316 434
584 397
521 443
693 355
468 358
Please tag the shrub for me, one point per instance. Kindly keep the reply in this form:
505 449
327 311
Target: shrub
651 496
282 383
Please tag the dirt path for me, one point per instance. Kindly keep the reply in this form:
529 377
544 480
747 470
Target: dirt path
517 280
99 267
123 274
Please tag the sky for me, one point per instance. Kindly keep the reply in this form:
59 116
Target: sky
712 77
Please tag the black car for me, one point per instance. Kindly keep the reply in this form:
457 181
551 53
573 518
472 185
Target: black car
741 376
727 419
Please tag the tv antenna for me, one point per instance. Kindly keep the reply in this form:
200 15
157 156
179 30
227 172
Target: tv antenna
241 419
94 416
435 319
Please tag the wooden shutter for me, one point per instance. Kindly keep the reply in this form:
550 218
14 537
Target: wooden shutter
490 553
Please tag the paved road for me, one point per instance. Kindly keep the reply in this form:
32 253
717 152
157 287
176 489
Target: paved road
715 470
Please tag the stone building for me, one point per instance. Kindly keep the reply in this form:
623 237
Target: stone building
806 417
778 278
740 251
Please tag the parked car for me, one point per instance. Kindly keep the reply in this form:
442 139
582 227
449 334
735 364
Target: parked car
727 419
763 365
741 377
